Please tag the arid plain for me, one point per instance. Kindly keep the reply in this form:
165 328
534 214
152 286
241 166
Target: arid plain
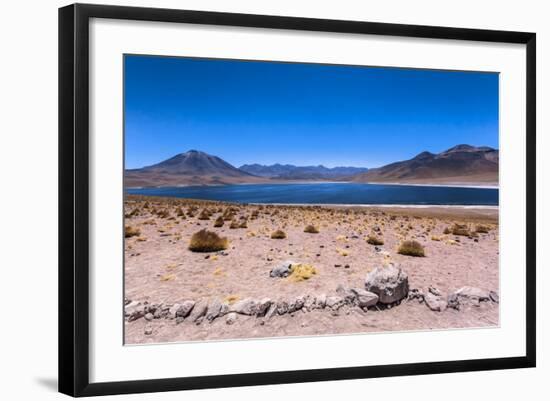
448 255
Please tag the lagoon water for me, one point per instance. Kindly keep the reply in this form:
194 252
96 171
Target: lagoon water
331 193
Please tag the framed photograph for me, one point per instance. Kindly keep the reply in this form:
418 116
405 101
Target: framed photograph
251 199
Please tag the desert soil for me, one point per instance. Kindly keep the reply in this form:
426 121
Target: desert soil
159 267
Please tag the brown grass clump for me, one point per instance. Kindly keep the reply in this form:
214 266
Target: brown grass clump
446 231
411 248
460 229
218 222
231 299
311 229
279 234
204 215
234 225
130 231
373 240
207 241
301 272
243 224
482 229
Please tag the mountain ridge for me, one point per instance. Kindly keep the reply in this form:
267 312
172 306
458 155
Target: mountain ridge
462 163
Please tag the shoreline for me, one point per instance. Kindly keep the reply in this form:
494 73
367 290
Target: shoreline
451 185
382 205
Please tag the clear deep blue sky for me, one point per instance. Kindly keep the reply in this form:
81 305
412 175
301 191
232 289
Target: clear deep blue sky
303 114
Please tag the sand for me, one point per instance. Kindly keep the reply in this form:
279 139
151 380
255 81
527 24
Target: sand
159 267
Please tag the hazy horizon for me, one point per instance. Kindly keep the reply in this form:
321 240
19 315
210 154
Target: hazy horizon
248 112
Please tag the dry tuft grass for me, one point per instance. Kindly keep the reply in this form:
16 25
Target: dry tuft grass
130 231
311 229
482 229
460 229
234 225
279 234
168 277
231 299
411 248
207 241
373 240
218 222
204 215
301 272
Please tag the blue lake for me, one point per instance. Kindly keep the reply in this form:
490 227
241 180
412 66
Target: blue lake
331 193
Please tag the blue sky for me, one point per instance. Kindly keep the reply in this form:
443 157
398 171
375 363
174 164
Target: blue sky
303 114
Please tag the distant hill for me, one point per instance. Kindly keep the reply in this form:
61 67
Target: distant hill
189 168
291 172
461 164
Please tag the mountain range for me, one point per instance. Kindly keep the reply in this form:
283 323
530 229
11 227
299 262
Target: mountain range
291 172
461 164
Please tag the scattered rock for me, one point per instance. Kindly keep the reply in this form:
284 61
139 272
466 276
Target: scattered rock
173 310
434 291
415 293
149 317
346 293
309 303
335 302
213 310
148 330
263 306
185 309
271 311
453 302
296 304
365 298
494 296
282 270
282 307
134 310
199 311
231 318
472 295
436 303
245 307
321 301
179 320
390 283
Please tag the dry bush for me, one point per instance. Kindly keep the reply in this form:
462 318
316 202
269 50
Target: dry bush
482 229
279 234
301 272
311 229
204 215
446 231
130 231
218 222
243 224
460 229
411 248
373 240
234 225
163 214
207 241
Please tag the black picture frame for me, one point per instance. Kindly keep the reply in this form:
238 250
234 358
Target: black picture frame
74 191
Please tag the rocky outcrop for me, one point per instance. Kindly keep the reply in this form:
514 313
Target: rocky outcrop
390 283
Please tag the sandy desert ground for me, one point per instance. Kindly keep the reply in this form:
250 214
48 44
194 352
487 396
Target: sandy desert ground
461 248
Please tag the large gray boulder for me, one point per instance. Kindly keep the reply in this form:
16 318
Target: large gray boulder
390 283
